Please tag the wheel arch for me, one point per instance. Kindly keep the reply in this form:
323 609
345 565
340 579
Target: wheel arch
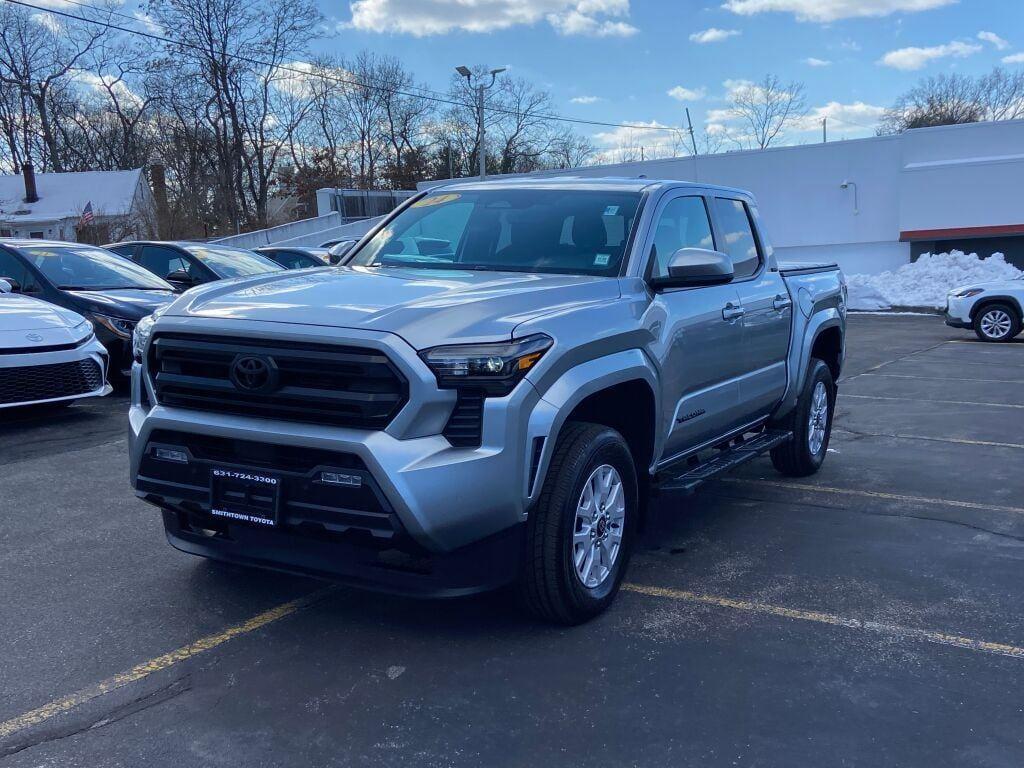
1013 301
619 391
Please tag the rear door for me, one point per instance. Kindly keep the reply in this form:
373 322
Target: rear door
767 309
697 331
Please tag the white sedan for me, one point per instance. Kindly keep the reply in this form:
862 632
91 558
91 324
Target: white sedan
48 354
993 310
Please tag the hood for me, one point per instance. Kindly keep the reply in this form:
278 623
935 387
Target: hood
127 303
425 307
26 322
1015 285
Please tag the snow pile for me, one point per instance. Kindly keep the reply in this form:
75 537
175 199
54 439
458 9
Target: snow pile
925 282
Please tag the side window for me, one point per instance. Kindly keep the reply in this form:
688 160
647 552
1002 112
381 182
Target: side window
122 250
738 236
162 261
11 267
682 224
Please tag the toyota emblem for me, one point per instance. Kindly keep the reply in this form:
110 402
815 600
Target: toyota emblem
34 337
253 374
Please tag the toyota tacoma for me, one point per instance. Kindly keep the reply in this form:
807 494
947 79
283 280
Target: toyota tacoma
489 391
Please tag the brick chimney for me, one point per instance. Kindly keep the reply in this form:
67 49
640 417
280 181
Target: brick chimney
31 195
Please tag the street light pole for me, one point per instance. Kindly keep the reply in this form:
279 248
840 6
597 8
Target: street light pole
480 130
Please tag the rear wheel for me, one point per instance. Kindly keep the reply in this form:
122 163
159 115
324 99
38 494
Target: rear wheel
580 533
811 424
997 322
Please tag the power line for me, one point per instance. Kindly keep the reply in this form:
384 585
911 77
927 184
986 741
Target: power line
435 96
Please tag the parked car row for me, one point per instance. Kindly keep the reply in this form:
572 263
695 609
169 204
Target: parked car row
68 310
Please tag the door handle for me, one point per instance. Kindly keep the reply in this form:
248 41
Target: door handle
731 311
782 302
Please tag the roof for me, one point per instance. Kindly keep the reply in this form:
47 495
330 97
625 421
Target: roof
568 181
64 195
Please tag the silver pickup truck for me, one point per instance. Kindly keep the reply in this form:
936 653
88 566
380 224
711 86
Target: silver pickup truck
489 391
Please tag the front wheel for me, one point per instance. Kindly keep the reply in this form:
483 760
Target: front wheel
997 322
811 424
580 533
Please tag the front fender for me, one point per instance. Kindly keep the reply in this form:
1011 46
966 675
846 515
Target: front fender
569 390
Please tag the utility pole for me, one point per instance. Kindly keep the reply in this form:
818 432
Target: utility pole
689 124
480 130
824 130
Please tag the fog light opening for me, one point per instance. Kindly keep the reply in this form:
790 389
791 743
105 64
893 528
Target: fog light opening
171 454
337 478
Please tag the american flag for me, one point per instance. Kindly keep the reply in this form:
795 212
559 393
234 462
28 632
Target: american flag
87 214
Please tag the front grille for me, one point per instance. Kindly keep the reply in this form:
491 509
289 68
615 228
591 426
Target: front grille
313 383
48 382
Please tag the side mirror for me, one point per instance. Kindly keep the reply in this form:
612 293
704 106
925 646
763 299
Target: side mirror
9 285
338 251
696 266
180 276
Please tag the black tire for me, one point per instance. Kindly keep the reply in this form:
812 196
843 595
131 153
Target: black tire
997 311
549 586
795 458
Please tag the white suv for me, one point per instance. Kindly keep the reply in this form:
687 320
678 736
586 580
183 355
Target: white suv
993 309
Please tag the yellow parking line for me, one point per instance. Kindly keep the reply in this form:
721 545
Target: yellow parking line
933 378
955 440
147 668
925 400
873 494
892 630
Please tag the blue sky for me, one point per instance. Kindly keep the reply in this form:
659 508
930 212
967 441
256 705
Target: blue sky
617 60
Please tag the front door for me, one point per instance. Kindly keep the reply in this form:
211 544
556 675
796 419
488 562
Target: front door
698 335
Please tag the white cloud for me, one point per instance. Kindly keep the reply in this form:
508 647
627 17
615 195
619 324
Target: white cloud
576 23
101 83
635 140
813 62
680 93
832 10
1014 58
854 118
996 40
585 100
148 22
713 35
595 18
914 58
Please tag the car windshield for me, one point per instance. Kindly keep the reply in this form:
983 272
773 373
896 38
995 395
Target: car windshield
86 267
567 231
232 262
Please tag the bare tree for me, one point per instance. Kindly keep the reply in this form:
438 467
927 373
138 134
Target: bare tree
38 55
939 100
766 109
1001 94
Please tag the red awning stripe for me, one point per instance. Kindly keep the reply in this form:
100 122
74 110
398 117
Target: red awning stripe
961 232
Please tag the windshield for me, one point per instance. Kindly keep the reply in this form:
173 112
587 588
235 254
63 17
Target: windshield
520 230
231 262
86 267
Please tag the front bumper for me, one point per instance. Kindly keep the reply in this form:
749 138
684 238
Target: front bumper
92 349
958 312
447 502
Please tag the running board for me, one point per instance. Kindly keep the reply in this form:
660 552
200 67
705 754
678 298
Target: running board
726 460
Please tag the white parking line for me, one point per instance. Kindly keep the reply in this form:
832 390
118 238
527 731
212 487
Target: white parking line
925 400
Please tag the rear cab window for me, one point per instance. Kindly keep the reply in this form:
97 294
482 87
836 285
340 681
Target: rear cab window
736 236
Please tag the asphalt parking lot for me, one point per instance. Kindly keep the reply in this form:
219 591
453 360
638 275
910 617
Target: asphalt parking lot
869 615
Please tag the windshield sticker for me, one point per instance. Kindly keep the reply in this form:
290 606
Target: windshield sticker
426 202
611 210
602 259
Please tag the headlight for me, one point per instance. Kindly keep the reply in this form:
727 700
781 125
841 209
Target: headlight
495 368
85 328
968 292
116 325
140 337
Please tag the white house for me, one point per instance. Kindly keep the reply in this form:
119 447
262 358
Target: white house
50 206
873 204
